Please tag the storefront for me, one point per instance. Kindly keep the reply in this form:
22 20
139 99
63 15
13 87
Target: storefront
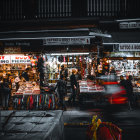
13 65
74 50
26 94
125 58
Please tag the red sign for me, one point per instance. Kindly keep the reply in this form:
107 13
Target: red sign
20 59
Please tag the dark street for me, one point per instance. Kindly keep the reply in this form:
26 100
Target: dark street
128 121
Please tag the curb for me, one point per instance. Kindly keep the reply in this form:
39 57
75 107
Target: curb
77 124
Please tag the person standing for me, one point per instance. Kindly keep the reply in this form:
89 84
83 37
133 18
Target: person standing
129 91
40 67
5 93
122 82
73 82
25 74
17 80
78 75
61 89
64 72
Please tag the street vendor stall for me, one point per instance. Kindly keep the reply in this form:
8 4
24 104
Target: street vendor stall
90 91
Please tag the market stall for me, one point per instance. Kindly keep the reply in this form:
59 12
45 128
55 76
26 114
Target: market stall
13 66
23 74
126 63
90 91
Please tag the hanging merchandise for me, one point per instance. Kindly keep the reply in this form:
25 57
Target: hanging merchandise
67 59
72 61
64 58
80 58
50 103
30 102
40 64
77 59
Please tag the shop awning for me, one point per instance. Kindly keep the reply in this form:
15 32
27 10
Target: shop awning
41 34
123 37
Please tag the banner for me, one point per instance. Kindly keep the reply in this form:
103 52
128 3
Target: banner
66 41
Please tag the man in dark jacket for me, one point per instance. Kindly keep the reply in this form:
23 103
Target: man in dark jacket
61 89
73 82
129 91
25 74
5 94
122 82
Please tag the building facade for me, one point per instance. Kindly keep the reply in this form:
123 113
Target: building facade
50 9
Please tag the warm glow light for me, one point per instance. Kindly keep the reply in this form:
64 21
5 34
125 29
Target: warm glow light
68 54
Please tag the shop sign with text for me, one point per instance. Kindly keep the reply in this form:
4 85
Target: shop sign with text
20 59
4 59
130 25
67 41
129 47
14 59
16 44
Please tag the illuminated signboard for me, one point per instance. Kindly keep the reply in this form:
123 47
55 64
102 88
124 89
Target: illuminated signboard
14 59
129 47
66 41
20 59
4 59
129 25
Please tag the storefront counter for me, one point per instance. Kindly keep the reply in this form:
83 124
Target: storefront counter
36 125
90 92
89 87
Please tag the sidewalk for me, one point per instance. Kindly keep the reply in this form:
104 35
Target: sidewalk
37 125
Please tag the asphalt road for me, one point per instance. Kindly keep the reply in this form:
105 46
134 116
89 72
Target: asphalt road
127 120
